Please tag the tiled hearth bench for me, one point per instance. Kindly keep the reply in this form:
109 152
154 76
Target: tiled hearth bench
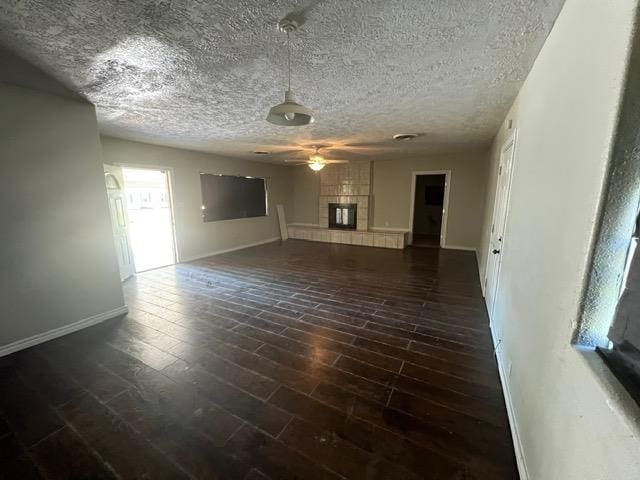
378 238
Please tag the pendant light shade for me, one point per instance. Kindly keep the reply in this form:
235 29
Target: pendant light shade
289 113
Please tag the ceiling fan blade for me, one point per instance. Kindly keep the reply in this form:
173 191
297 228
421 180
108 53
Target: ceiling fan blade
361 149
289 151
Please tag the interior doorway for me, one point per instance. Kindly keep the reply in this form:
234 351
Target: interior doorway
150 216
429 199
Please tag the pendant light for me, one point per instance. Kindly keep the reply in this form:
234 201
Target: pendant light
289 113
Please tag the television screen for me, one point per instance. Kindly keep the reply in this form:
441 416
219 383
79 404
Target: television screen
225 197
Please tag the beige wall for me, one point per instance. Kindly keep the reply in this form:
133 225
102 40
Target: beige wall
306 190
58 262
572 418
392 194
194 237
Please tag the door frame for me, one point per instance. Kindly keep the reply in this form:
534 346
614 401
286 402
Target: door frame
445 203
170 189
510 141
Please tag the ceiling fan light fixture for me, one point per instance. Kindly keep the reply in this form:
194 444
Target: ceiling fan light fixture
316 158
316 166
316 161
290 113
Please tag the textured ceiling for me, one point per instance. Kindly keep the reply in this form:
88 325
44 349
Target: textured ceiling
201 74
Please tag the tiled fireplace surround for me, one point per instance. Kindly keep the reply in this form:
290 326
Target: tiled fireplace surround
347 183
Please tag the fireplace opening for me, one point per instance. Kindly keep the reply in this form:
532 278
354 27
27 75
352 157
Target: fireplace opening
343 215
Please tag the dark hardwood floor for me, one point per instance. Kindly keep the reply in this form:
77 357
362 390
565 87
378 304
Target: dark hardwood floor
422 240
293 360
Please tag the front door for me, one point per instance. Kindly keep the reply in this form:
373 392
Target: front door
497 243
115 191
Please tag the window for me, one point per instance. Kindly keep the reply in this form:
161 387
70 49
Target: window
225 197
623 358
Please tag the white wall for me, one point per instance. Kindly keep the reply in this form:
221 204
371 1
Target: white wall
194 237
571 421
57 260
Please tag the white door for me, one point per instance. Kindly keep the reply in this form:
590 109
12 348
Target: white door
497 242
115 191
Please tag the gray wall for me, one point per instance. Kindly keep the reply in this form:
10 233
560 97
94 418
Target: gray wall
572 418
57 259
16 71
194 237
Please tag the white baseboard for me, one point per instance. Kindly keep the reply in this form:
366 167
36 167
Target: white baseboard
480 274
61 331
227 250
459 247
515 434
388 229
317 225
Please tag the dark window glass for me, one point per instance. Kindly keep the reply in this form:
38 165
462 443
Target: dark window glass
225 197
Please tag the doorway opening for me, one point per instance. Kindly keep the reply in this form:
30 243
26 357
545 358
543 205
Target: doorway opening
150 217
429 208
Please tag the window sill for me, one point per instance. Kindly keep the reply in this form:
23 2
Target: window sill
629 378
618 398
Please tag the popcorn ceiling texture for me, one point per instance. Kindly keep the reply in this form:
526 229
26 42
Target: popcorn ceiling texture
202 75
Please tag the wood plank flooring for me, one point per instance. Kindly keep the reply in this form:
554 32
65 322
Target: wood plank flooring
292 360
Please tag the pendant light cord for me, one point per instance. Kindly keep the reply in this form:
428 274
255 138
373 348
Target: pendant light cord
289 58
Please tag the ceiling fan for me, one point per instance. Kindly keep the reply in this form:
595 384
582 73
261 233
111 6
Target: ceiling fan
340 150
329 147
316 161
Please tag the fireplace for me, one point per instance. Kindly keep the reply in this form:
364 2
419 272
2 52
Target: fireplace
343 215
